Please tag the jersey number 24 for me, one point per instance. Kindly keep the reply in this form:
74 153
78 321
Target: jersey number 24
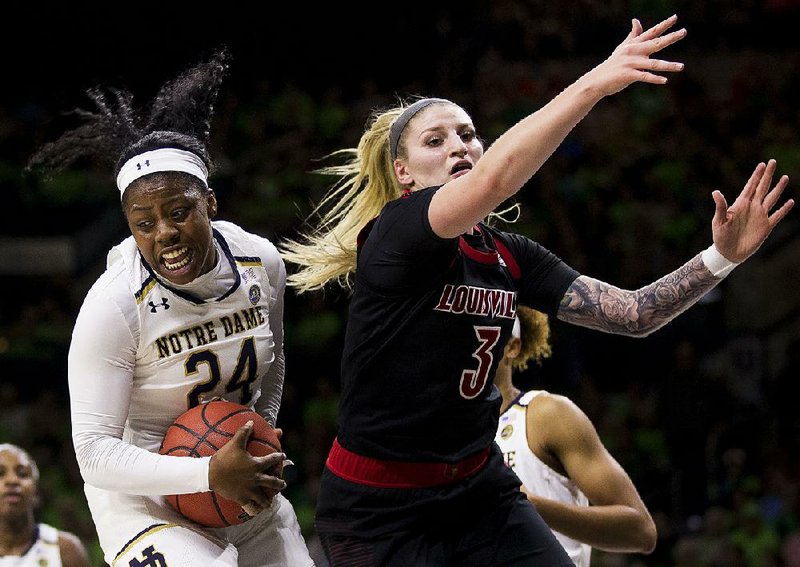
243 375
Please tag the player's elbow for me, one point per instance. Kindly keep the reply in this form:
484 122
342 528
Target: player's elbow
92 452
495 180
647 535
83 456
642 331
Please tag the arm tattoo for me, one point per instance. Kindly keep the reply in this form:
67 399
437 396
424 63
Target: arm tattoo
598 305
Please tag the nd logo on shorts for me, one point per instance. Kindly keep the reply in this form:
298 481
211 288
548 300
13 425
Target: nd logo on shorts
172 545
151 558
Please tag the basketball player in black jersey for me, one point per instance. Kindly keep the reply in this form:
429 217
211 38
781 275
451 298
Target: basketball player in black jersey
414 477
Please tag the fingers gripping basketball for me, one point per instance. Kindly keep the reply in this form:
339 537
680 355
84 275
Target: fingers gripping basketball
200 432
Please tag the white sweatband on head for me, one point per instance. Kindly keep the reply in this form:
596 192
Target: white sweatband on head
716 263
163 159
516 331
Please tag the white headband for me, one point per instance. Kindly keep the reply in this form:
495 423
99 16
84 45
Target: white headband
516 331
163 159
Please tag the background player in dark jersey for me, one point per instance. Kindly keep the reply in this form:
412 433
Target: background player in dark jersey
414 477
23 541
577 486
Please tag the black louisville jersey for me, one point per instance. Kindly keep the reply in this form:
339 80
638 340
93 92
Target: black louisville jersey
428 322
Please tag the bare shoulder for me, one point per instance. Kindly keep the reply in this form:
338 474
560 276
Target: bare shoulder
73 552
558 423
551 408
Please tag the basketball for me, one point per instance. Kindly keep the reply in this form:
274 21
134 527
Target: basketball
200 432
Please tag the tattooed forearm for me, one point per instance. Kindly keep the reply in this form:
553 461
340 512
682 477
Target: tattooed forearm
592 303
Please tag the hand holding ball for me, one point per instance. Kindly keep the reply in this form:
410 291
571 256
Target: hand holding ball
202 431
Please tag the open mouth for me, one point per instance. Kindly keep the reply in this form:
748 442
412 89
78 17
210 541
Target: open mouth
176 259
462 166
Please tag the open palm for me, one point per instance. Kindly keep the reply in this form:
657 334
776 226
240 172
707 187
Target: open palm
739 230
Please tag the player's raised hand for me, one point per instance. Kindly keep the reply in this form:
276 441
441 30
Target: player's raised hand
631 61
739 230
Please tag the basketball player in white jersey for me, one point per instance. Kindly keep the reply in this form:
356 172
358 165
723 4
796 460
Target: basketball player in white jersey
580 490
188 309
23 541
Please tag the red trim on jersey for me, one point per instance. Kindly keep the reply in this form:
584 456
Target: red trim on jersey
475 254
399 474
508 258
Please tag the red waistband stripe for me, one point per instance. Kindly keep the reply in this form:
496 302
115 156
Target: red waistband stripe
400 474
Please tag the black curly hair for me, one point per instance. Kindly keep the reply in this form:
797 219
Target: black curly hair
178 117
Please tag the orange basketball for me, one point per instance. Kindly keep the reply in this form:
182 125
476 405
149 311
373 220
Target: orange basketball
200 432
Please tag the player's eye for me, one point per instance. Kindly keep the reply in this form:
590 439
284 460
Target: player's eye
434 141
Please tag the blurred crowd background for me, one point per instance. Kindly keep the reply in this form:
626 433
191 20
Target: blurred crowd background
701 414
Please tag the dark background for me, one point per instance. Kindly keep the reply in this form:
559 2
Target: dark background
702 414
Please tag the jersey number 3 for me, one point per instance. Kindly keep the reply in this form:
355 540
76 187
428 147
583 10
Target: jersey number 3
473 381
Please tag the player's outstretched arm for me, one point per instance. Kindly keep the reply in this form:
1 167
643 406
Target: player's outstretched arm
617 520
516 155
738 231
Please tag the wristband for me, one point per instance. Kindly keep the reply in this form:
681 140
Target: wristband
716 263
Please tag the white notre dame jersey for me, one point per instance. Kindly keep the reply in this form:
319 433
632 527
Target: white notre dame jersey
144 351
190 351
43 553
512 437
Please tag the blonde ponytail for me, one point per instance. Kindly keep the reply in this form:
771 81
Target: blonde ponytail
366 183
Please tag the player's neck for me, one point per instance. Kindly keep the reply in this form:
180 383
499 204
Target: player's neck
503 382
16 536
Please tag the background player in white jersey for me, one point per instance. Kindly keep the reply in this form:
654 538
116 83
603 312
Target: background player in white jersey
186 311
23 541
580 490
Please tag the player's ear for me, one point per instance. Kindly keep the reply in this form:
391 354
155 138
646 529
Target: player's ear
402 173
513 348
211 202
